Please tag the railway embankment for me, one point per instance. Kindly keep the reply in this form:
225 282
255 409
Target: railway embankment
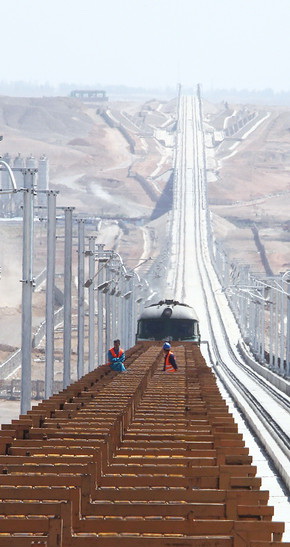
263 370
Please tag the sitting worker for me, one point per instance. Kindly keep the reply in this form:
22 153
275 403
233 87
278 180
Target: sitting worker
116 357
170 364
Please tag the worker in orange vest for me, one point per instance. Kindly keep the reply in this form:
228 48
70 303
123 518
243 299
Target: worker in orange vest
116 357
170 364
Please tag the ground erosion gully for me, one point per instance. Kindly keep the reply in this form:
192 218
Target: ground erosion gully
143 458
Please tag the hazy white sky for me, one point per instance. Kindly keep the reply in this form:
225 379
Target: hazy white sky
148 43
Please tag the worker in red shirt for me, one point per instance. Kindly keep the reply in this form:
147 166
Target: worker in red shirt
170 364
116 357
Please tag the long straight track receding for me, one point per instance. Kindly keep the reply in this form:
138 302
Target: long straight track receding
139 459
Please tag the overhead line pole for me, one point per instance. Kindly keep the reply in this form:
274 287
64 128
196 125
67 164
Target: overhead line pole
92 240
27 288
81 298
50 293
67 307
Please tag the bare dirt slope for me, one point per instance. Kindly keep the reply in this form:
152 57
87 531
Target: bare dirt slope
91 158
93 163
252 187
119 165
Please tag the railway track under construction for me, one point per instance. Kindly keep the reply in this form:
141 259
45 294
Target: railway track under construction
143 458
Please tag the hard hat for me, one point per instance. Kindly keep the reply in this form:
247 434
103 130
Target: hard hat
166 345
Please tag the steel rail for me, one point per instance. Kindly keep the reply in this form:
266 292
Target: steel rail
271 424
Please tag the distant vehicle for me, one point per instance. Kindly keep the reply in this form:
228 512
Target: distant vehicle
168 320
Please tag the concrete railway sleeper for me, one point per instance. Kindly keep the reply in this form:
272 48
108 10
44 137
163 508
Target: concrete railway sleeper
141 459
